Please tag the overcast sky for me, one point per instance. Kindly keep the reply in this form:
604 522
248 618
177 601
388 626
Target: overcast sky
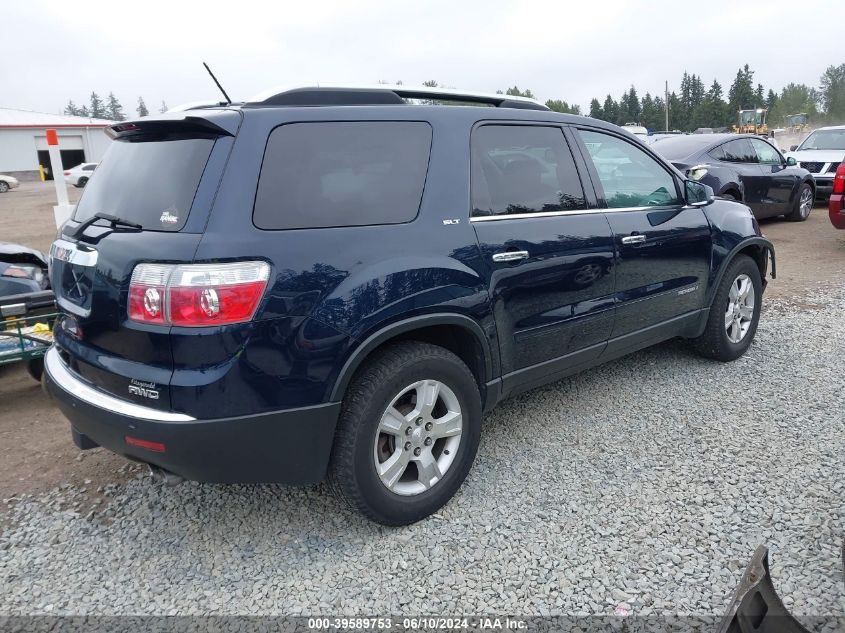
52 52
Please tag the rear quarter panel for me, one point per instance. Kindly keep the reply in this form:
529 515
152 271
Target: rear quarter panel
330 288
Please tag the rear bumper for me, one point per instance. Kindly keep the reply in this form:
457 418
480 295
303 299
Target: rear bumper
836 209
824 187
291 446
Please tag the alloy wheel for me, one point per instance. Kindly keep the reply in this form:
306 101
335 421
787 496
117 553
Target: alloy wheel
805 203
740 311
418 437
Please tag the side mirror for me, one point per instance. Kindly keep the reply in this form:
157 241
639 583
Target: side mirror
791 162
698 194
792 148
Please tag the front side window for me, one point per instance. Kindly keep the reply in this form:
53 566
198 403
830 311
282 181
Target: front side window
523 169
766 154
629 176
348 173
739 151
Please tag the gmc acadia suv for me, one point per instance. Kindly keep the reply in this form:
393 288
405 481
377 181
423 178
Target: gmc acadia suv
340 282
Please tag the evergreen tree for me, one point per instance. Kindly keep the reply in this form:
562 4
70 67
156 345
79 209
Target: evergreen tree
630 105
676 113
83 111
562 106
771 99
114 110
651 115
163 107
759 99
595 109
741 93
610 110
71 109
142 107
97 110
832 84
516 92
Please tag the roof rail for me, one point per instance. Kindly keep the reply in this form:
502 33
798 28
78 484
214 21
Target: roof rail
382 94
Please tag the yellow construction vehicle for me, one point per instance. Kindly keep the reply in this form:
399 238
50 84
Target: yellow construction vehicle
796 123
752 122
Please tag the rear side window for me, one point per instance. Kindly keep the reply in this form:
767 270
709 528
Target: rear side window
330 174
151 183
739 151
523 169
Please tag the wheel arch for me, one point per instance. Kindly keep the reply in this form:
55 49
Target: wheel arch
733 188
759 249
458 333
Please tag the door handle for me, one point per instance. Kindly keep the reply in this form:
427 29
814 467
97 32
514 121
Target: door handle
633 239
510 256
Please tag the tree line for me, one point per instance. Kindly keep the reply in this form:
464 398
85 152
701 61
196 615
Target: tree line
109 108
694 105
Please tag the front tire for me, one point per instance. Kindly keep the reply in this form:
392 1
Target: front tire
4 186
803 204
734 313
82 182
408 433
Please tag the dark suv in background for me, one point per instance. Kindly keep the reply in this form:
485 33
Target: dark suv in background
341 281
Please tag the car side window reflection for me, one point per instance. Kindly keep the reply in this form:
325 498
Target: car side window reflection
520 169
766 154
739 151
629 176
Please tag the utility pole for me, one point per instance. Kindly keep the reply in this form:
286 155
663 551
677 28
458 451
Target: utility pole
667 105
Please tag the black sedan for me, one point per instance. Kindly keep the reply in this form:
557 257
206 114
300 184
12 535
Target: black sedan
744 167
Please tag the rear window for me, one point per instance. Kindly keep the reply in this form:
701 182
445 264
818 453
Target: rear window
331 174
151 183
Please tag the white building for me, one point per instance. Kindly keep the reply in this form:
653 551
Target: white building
23 141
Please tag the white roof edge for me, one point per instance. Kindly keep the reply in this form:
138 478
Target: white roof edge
444 92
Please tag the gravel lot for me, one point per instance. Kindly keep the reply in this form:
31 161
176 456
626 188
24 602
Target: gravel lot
647 482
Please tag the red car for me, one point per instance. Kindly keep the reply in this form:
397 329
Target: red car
836 206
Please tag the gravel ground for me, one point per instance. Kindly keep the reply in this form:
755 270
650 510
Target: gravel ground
647 482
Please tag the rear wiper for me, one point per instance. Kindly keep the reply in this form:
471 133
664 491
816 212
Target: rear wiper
113 220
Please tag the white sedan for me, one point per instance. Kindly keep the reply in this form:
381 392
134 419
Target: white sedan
78 176
7 182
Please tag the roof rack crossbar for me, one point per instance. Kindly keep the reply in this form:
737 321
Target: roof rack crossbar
383 94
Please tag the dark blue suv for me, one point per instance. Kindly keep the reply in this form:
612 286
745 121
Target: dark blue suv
339 282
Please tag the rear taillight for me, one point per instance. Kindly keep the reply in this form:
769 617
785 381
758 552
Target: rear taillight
839 179
196 294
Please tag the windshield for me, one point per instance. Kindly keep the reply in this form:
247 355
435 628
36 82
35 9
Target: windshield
151 183
824 139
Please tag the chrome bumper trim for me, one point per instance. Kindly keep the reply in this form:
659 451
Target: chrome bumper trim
63 378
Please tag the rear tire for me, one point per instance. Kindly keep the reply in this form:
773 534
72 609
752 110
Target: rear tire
733 321
392 460
803 204
4 186
35 368
82 182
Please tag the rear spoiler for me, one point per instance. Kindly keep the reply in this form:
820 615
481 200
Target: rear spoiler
213 122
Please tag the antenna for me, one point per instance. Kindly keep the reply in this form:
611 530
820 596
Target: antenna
228 100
